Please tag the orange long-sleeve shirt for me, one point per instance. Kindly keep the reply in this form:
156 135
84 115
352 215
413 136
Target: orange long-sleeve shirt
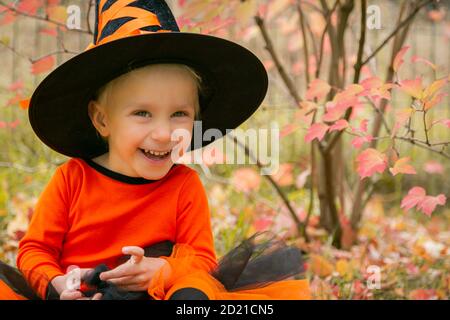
87 213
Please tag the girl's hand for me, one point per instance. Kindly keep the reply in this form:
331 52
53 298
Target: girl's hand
65 285
136 273
77 295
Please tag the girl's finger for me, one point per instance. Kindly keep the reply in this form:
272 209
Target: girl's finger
134 287
123 270
70 295
137 253
123 280
97 296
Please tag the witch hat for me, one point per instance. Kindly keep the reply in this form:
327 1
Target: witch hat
130 34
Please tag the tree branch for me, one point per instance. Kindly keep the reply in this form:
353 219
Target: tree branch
274 184
393 33
269 46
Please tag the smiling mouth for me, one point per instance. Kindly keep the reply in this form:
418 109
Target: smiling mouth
155 155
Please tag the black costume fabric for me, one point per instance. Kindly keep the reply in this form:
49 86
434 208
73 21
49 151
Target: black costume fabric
252 264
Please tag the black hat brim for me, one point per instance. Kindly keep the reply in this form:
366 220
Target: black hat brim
236 84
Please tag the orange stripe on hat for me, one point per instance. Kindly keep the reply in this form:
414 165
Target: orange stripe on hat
120 9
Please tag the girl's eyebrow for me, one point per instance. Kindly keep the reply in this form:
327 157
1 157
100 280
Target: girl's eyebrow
149 106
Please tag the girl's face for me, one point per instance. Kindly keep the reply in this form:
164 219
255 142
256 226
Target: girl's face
141 111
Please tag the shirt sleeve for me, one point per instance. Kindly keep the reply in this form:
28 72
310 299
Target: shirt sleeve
40 248
194 222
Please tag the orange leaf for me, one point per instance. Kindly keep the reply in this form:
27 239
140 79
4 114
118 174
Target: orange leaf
320 266
402 166
24 104
398 61
419 59
43 65
317 89
246 179
434 87
246 11
350 92
288 129
57 13
412 87
284 175
435 101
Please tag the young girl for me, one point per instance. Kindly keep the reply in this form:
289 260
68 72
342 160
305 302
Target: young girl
122 200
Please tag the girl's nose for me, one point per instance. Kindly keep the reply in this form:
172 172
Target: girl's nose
161 133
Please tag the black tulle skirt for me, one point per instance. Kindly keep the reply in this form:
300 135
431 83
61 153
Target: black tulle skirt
260 267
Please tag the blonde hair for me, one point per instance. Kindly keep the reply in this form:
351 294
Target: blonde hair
103 93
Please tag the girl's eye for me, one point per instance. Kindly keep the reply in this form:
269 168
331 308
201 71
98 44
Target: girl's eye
142 113
180 113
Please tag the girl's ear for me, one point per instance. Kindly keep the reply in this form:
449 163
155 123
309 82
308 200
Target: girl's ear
98 117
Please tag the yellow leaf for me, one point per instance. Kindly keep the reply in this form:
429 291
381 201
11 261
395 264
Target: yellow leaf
320 266
245 11
5 40
57 13
433 88
342 267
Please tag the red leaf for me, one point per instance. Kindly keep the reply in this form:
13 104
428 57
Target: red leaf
16 86
7 18
336 110
428 204
14 124
43 65
29 6
417 197
53 32
372 83
398 61
316 131
339 125
371 161
359 141
414 197
363 125
433 166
